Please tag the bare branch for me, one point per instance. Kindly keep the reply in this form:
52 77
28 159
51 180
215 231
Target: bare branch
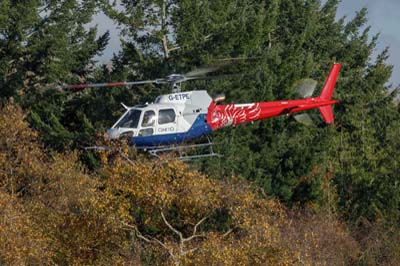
165 247
138 234
134 227
182 251
165 46
192 237
228 232
149 240
174 48
198 224
195 231
127 159
171 227
189 251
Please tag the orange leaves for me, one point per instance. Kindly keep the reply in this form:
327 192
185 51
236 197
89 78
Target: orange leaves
254 236
22 241
159 185
135 211
52 212
186 197
318 239
21 157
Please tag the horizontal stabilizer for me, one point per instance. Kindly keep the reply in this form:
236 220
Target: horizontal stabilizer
327 113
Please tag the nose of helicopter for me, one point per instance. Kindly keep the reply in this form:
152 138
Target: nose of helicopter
113 133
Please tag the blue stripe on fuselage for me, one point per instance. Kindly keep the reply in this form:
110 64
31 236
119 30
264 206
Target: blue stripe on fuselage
199 128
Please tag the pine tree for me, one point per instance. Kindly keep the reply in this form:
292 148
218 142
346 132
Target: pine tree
44 44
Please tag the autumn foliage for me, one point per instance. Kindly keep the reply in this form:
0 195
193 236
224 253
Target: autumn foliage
136 211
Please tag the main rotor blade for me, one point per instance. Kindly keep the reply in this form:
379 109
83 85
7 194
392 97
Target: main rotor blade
216 65
306 87
214 77
110 84
235 59
201 71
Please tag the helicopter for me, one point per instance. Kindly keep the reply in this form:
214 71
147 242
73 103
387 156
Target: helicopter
173 120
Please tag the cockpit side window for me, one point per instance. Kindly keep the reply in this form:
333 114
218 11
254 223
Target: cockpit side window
149 119
166 116
130 120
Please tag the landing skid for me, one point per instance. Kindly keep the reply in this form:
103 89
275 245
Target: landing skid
183 152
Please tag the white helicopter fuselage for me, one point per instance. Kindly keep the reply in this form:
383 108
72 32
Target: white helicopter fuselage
170 119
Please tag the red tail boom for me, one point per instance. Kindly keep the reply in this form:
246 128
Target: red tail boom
233 114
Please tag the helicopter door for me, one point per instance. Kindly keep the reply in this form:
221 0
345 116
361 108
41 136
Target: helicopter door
148 124
166 121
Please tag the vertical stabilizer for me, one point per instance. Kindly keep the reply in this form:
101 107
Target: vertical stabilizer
326 94
330 83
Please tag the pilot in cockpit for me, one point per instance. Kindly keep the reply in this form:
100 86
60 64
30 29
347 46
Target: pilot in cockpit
149 119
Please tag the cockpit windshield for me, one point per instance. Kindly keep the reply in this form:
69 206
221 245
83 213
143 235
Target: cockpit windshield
130 120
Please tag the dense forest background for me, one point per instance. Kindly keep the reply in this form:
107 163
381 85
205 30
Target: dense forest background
282 194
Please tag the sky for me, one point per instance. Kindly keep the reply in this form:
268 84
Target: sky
383 17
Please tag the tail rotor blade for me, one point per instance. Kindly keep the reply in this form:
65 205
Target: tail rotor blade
306 87
304 119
